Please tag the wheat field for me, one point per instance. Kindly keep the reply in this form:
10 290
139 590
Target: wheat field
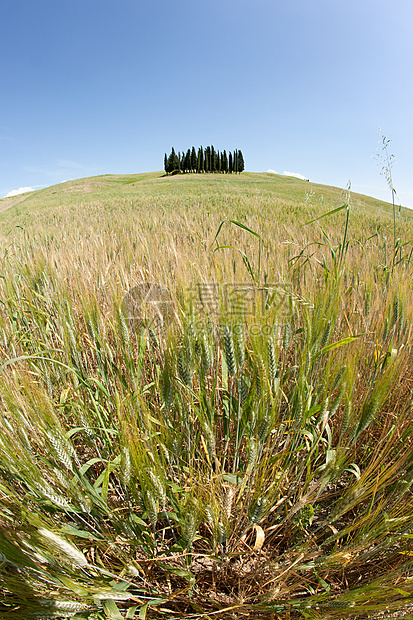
206 390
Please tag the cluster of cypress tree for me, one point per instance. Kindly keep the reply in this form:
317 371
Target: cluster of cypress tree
206 160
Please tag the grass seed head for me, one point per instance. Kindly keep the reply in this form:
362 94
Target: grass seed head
229 351
70 551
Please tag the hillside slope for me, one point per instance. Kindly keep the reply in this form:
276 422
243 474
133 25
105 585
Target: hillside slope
274 187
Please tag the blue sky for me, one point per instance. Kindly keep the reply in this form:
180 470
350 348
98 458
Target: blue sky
108 86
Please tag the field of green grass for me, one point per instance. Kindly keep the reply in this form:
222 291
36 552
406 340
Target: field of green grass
235 444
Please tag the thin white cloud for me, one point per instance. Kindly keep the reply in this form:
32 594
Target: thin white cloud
297 175
21 190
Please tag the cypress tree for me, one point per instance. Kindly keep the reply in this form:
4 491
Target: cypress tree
194 160
207 159
218 162
173 161
224 165
201 159
213 161
230 163
165 163
187 163
234 162
240 162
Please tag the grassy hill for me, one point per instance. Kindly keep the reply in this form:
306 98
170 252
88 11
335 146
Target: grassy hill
113 211
190 187
206 391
